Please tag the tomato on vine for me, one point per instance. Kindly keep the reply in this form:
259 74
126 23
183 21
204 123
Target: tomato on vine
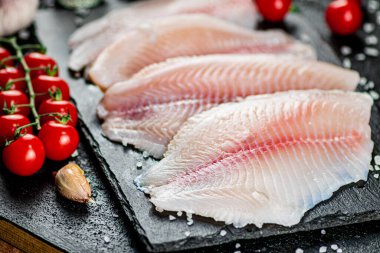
44 84
24 156
58 106
273 10
4 53
10 73
45 65
60 140
14 101
9 124
344 17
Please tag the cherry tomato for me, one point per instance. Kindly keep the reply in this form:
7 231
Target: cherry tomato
24 156
62 107
59 140
9 124
273 10
42 84
38 60
14 97
9 73
344 17
4 54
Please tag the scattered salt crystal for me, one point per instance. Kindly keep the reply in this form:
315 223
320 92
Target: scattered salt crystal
376 176
363 80
370 167
237 251
374 95
334 247
171 217
368 27
107 239
190 222
323 249
377 167
371 84
145 154
376 159
139 165
187 233
347 63
237 245
223 232
371 40
299 250
339 250
345 50
370 51
378 17
372 6
179 213
75 154
158 209
24 34
189 215
360 57
323 232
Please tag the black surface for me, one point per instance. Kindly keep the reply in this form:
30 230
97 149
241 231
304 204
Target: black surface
32 204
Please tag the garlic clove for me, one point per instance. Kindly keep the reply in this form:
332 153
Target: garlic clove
72 184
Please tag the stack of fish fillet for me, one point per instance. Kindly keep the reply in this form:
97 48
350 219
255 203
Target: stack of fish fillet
251 127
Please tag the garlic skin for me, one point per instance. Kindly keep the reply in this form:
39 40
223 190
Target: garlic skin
72 184
16 15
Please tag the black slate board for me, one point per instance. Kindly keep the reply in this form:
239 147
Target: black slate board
158 233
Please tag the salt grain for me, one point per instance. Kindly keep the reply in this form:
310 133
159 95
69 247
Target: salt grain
360 57
370 167
323 249
139 165
339 250
371 40
24 34
345 50
377 167
334 247
370 51
371 84
372 6
179 214
237 251
323 232
145 154
363 80
299 250
368 27
171 217
75 154
223 232
158 209
190 222
107 239
374 95
237 245
189 215
376 176
347 63
187 233
376 159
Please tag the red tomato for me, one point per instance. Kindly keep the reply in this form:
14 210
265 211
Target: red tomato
62 107
9 73
14 97
24 156
38 60
344 17
9 124
59 140
42 84
273 10
4 54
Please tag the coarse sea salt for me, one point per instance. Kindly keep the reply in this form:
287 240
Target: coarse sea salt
370 51
139 165
299 250
371 40
372 6
237 251
377 167
323 232
371 84
347 63
223 232
363 80
360 57
171 217
376 176
370 167
339 250
323 249
179 213
345 50
368 27
237 245
374 94
187 233
376 159
334 247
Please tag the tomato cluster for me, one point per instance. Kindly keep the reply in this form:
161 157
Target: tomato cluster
344 17
24 148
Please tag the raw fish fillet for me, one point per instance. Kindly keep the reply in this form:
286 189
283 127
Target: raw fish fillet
185 35
267 159
88 41
148 110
